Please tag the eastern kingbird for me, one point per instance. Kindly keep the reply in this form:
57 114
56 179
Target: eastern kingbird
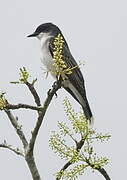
74 83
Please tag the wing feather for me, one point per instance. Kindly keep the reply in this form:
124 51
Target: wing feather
77 90
75 77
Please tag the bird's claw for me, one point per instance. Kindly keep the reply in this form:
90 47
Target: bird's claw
49 92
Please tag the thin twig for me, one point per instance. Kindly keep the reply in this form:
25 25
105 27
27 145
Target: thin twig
25 106
104 173
100 169
17 127
15 150
34 93
72 138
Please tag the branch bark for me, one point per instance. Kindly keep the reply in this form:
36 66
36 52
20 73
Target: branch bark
29 154
32 166
101 170
17 127
24 106
104 173
50 94
15 150
34 92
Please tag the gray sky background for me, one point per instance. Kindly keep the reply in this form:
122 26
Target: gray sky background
96 31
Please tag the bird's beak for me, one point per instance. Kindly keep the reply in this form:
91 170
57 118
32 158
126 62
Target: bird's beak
33 35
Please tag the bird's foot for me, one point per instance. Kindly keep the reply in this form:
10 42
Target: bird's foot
57 84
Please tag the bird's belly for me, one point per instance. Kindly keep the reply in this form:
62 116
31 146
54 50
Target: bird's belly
47 61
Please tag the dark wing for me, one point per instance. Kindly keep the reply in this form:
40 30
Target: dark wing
75 77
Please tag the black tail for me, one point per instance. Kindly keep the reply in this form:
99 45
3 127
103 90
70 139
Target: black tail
84 104
87 111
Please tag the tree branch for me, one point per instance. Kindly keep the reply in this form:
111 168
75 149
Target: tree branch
28 147
51 93
100 169
25 106
29 154
79 145
34 92
15 150
17 127
32 166
104 173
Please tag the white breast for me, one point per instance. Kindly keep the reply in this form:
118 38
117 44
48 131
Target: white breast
46 57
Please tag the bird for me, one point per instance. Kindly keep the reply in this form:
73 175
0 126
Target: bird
74 82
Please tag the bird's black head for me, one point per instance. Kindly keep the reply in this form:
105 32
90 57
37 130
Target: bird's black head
46 28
